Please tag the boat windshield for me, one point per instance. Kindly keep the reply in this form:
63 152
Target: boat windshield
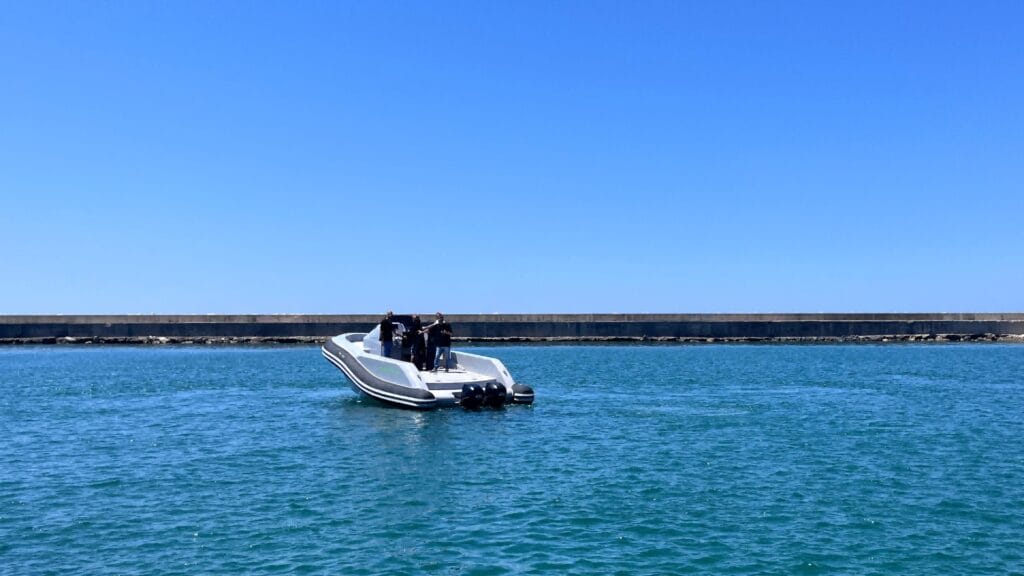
371 342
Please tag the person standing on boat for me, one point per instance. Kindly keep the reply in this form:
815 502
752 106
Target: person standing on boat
387 334
428 359
419 359
443 336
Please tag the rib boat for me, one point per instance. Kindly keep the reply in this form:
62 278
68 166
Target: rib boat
472 381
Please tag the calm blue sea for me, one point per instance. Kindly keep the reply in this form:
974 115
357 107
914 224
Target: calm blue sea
739 459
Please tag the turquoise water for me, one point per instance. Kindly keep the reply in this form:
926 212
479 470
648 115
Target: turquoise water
851 459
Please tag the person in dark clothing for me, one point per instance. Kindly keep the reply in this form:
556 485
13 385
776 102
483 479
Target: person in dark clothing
387 334
428 360
403 333
419 357
443 337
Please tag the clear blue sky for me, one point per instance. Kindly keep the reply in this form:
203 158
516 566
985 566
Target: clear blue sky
330 157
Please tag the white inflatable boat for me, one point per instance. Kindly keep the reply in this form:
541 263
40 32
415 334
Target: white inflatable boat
472 381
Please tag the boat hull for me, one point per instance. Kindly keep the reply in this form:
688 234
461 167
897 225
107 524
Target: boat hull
365 382
399 383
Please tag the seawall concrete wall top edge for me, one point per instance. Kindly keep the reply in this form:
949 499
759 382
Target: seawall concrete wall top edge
508 318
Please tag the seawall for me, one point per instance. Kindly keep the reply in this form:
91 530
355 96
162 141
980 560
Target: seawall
287 328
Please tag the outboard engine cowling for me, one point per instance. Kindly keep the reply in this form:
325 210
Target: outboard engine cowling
494 394
472 396
522 394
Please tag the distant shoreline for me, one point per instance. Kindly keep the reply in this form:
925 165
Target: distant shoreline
522 328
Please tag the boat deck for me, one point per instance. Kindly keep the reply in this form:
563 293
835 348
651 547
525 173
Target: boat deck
453 379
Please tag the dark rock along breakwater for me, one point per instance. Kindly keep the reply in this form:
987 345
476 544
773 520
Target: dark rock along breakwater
687 328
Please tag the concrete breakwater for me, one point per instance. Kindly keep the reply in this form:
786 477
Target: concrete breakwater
312 328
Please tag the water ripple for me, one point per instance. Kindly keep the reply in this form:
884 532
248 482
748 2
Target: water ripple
635 460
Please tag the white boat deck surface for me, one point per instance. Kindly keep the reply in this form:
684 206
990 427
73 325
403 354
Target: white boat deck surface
452 376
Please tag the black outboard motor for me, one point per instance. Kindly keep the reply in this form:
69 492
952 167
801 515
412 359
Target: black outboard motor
472 396
494 395
522 394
